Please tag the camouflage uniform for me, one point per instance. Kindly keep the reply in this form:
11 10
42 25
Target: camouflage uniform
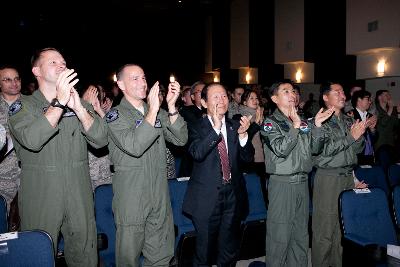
9 170
2 136
99 168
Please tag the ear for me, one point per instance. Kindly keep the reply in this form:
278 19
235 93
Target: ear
203 103
245 103
36 71
274 99
192 97
121 85
325 98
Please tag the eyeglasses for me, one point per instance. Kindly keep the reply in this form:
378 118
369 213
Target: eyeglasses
9 80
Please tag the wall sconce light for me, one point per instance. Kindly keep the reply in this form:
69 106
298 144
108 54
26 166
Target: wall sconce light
114 77
216 78
380 68
299 76
248 75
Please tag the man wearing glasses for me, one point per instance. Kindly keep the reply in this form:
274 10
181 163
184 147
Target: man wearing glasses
10 91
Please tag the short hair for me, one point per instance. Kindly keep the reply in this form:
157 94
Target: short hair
193 87
204 92
7 66
324 90
359 95
273 90
38 53
121 69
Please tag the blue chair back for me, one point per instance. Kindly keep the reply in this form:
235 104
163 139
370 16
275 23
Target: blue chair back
367 216
396 204
105 222
30 248
374 177
394 175
177 190
257 210
3 215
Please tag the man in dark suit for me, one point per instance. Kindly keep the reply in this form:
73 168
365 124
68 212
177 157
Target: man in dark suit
216 197
361 101
191 112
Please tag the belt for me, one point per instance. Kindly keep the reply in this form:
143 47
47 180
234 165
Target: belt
337 171
295 178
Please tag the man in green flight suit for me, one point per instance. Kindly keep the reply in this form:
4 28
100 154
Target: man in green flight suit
51 129
289 144
141 204
343 141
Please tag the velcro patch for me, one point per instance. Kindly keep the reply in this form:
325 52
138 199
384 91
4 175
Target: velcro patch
157 124
15 108
267 126
112 115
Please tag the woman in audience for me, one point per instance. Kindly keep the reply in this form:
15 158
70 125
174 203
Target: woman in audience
99 162
387 127
250 106
171 173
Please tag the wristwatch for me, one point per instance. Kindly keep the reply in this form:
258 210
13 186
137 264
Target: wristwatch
173 114
56 103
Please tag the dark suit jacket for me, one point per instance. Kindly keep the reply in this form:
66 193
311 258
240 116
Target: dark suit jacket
357 116
191 113
206 179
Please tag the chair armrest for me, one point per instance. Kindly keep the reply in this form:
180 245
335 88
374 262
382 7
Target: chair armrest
102 241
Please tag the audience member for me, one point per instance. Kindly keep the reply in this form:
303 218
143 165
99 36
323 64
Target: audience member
216 196
50 131
137 135
343 141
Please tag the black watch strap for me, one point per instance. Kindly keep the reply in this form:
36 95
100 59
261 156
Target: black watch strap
56 103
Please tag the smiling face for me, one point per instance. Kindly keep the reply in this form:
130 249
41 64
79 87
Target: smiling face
133 83
216 98
49 66
10 82
285 96
335 97
252 101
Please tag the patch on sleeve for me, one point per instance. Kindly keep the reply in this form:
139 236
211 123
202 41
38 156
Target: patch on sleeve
15 108
157 124
112 115
267 126
138 122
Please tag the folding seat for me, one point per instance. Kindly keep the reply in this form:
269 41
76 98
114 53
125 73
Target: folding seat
3 215
394 175
27 248
105 224
373 176
184 229
367 227
254 227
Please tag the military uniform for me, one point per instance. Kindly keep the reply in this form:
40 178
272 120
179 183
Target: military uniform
9 170
55 189
334 174
99 167
3 135
141 203
288 159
